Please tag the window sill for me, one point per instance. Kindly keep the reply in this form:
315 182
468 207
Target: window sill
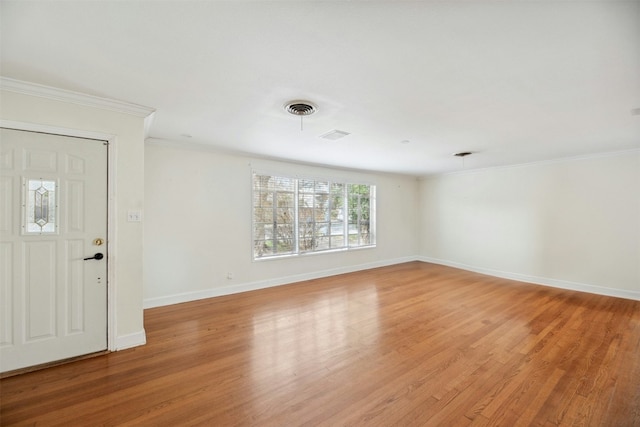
305 254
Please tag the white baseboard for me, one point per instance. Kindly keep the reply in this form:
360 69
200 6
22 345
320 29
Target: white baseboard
555 283
130 340
133 340
252 286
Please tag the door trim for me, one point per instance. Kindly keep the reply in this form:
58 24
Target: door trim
111 141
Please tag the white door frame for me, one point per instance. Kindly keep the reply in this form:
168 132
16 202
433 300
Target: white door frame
111 207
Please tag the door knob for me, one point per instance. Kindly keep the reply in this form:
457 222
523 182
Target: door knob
96 256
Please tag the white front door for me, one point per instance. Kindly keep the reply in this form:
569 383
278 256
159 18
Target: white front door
53 215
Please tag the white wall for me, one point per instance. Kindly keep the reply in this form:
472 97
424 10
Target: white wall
198 225
128 155
572 224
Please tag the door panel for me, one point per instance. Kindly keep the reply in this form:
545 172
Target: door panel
53 302
6 298
39 290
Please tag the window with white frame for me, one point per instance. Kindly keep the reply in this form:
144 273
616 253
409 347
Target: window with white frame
293 216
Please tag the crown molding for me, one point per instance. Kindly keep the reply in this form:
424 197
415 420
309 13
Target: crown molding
56 94
624 152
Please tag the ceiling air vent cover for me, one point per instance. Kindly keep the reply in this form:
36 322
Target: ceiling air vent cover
300 108
334 134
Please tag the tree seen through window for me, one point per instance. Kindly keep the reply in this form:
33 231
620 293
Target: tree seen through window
296 216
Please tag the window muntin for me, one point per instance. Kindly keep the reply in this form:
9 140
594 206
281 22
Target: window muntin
295 216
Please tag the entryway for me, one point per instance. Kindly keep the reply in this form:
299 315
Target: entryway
53 247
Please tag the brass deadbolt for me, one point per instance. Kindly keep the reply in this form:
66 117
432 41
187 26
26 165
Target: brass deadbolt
98 242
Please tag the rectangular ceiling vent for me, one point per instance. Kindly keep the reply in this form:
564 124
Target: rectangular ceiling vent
334 134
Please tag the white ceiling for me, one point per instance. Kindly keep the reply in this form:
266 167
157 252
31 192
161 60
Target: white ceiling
512 81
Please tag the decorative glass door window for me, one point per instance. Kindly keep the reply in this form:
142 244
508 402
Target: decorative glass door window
40 206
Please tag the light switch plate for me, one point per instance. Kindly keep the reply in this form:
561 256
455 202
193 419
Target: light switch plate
134 216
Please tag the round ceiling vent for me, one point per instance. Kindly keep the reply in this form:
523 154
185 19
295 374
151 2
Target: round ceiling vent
300 108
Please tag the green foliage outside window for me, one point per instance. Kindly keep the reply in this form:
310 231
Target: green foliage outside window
295 216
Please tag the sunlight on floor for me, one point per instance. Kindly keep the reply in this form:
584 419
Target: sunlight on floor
289 341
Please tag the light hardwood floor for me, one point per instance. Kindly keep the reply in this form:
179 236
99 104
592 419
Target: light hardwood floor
414 344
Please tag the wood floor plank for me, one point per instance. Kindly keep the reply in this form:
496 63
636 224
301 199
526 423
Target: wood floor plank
413 344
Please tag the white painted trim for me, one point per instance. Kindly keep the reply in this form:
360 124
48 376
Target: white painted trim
55 130
112 240
252 286
544 281
112 282
286 165
131 340
627 152
78 98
